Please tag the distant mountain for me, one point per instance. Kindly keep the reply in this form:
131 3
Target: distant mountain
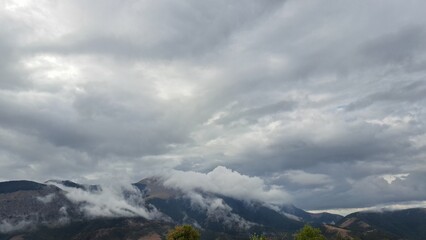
147 209
216 214
399 224
25 202
14 186
67 183
310 218
174 203
31 210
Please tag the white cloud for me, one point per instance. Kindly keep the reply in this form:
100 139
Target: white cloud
222 180
217 210
6 226
378 208
46 199
392 177
110 201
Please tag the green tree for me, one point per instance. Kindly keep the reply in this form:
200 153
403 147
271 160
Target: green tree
309 233
184 232
257 237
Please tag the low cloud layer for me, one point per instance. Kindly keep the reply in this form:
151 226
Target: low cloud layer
217 211
224 181
323 101
6 226
114 200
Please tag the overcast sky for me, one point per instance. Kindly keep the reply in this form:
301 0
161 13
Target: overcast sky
322 101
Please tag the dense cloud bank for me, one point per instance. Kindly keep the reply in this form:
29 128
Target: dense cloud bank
323 101
228 183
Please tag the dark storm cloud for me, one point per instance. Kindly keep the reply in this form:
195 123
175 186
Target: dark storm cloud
317 99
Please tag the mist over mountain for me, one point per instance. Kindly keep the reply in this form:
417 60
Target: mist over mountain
68 210
27 207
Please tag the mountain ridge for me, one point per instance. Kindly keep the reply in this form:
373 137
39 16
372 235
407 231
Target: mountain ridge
29 208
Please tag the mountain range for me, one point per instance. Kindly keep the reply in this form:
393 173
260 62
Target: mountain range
148 209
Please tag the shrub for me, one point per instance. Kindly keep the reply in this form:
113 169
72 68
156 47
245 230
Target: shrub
309 233
184 232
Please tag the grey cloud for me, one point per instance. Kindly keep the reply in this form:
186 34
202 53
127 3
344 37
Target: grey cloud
12 76
55 129
165 30
399 47
350 142
252 114
371 191
293 92
412 92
